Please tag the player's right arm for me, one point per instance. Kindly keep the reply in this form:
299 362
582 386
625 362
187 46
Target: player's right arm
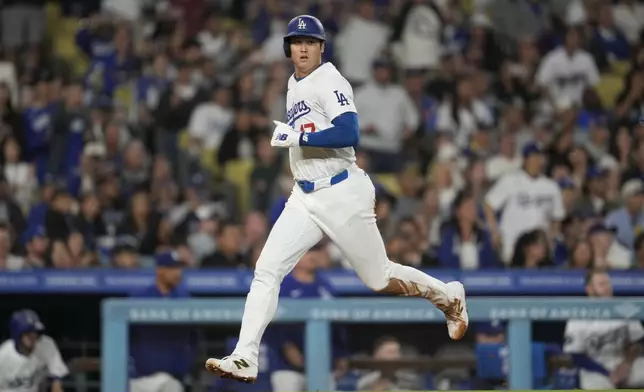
336 100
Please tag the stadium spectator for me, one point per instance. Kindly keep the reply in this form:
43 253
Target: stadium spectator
607 251
388 348
388 118
464 242
154 366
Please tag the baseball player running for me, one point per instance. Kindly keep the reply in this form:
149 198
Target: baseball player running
29 357
332 196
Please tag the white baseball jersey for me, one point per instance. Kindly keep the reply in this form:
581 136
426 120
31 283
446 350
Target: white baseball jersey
527 204
602 340
20 373
311 104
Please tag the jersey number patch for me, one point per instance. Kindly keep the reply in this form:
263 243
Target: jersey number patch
342 100
308 127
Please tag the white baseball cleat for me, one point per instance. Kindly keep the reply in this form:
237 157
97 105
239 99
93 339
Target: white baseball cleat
233 367
456 311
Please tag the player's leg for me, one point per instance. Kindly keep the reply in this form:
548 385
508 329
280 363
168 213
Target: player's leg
294 233
358 237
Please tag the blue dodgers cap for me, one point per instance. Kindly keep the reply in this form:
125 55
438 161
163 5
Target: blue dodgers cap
566 183
595 172
36 232
532 148
168 259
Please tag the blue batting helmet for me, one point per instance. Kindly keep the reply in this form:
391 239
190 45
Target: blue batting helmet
24 321
303 26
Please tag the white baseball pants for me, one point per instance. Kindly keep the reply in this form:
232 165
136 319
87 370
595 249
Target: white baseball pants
344 212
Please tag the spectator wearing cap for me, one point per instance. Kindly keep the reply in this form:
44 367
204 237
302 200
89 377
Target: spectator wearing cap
629 220
36 245
608 253
360 41
595 200
155 366
388 118
528 200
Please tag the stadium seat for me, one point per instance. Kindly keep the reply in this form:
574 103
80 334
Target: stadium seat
609 88
238 172
620 68
389 182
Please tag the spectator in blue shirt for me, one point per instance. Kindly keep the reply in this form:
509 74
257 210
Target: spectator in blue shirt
464 243
609 44
161 356
629 220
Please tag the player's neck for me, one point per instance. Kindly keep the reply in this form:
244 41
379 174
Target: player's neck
302 73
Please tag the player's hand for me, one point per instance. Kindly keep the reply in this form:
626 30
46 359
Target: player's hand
285 136
620 374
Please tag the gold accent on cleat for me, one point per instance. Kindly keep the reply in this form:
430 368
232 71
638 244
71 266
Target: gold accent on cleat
212 367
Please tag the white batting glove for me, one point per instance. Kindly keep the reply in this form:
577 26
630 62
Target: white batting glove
285 136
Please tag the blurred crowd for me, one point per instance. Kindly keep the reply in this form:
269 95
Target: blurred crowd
129 127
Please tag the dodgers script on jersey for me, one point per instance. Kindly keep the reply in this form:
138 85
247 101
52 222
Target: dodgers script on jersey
311 104
20 373
527 204
604 341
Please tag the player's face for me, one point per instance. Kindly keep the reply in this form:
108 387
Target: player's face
171 276
306 53
29 340
599 286
534 164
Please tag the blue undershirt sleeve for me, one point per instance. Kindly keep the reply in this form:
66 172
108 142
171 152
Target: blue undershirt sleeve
345 132
585 362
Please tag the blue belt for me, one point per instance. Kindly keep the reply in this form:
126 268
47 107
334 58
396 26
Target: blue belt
310 186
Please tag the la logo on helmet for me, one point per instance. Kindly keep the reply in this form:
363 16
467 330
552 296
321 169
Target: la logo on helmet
301 24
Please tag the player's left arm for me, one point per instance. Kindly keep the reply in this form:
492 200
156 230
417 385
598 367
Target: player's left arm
336 100
55 365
